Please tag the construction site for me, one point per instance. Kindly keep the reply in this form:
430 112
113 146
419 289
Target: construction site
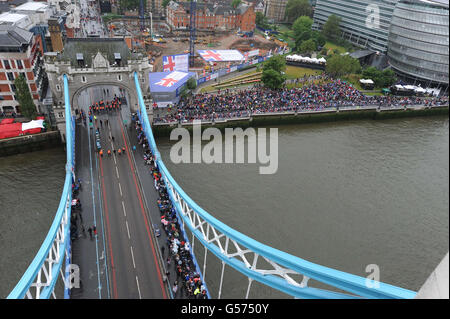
157 39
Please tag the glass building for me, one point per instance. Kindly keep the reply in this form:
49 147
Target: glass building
419 40
364 23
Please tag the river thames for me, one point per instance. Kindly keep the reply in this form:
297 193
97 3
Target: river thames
345 195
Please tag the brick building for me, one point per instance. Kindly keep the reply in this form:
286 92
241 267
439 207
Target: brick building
19 54
212 16
276 10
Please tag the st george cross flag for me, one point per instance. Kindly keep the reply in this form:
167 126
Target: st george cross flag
220 55
171 79
178 62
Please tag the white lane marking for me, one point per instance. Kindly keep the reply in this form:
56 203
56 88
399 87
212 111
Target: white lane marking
128 230
139 291
117 172
132 256
114 157
124 212
120 190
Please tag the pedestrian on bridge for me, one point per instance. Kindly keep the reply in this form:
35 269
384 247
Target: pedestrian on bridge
90 232
94 229
175 288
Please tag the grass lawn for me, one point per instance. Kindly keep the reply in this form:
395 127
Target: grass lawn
329 45
294 72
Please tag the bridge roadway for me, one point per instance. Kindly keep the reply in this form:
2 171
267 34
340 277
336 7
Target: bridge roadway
122 260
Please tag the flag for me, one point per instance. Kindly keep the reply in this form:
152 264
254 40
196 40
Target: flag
171 79
220 55
178 62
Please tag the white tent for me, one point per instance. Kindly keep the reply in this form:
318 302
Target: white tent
33 124
367 81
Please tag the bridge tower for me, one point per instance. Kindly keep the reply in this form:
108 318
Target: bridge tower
192 29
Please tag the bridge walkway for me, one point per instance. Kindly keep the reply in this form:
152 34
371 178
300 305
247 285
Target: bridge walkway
114 201
151 197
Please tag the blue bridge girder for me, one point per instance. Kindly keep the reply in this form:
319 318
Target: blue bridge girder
284 264
232 247
40 278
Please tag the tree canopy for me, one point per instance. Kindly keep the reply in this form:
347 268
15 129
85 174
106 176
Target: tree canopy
303 32
261 20
331 29
383 78
272 79
302 24
191 84
27 107
297 8
165 3
339 65
235 3
277 63
308 46
272 75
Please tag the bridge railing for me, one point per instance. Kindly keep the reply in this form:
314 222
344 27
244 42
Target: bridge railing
244 253
38 281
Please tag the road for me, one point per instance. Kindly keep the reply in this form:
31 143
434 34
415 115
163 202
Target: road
132 267
91 22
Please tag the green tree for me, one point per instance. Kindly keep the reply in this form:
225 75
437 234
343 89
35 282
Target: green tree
261 20
297 8
235 3
165 3
27 107
339 65
331 29
276 63
272 79
389 77
383 78
308 46
191 84
301 25
318 38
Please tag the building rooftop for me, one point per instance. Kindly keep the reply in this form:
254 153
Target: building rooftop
32 6
9 17
11 36
5 6
89 47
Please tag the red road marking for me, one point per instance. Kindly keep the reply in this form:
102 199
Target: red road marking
143 213
109 232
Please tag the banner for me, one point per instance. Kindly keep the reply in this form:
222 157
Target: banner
220 55
171 79
179 62
253 53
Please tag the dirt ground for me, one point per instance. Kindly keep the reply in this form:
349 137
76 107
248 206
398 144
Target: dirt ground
231 41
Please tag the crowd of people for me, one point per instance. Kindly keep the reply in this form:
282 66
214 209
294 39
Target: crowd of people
102 107
262 100
188 280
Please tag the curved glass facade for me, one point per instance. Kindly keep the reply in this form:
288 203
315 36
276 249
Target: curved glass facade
356 17
418 43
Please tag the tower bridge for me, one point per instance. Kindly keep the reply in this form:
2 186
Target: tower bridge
126 260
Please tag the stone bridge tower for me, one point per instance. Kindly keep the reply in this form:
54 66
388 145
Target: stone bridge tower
96 61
